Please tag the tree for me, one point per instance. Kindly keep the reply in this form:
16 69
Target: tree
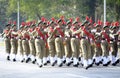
114 5
3 9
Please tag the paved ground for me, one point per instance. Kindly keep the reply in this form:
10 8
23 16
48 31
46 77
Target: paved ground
9 69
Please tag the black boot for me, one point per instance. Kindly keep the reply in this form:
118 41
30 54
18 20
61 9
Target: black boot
48 61
34 61
14 60
40 66
64 61
22 61
45 64
117 61
97 64
93 60
81 64
108 62
113 64
8 58
86 67
60 65
105 64
100 62
27 60
76 65
68 64
90 65
53 64
79 59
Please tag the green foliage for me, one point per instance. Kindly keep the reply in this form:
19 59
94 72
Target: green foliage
37 8
34 9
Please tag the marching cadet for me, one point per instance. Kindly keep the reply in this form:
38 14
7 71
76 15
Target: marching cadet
59 32
45 54
85 44
51 42
86 47
97 49
39 43
13 42
113 43
118 44
91 40
7 36
75 43
46 29
67 46
20 48
105 44
32 43
25 44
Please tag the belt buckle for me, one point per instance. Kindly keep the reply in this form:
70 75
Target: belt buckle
41 38
38 37
76 36
102 40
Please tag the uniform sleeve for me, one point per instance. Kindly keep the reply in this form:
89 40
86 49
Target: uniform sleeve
76 32
34 34
67 33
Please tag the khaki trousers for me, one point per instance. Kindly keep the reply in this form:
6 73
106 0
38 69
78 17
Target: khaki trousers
20 48
59 47
75 47
86 49
105 48
98 51
25 45
32 47
51 46
67 47
13 46
40 48
92 50
114 48
7 45
46 54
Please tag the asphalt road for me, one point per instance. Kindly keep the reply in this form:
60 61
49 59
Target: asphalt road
9 69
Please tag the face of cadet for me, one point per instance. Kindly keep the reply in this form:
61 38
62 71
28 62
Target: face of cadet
68 26
60 23
39 25
86 25
107 29
75 25
42 26
8 27
98 29
117 29
89 27
14 27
